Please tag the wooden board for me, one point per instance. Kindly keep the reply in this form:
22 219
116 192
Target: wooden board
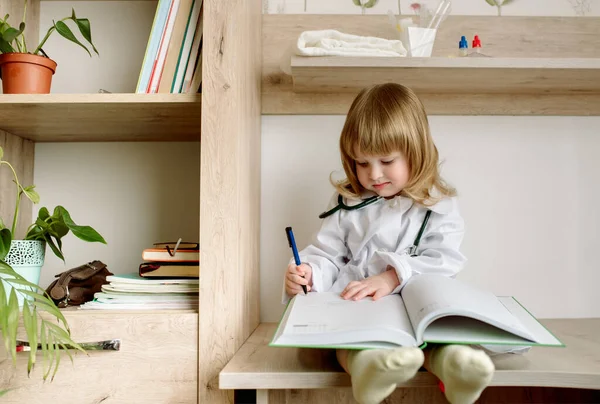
502 37
229 186
157 362
102 117
449 76
433 395
19 153
258 366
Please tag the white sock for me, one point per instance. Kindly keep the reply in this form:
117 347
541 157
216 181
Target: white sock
376 372
464 371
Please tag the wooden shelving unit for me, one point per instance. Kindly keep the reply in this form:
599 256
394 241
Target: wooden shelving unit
102 117
226 116
473 75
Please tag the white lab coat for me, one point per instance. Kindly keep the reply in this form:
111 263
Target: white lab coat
354 245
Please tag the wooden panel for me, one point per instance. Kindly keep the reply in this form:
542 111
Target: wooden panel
230 185
157 362
20 154
510 37
102 117
32 23
432 395
258 366
449 76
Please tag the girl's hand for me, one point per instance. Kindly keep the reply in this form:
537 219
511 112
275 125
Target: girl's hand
377 286
294 279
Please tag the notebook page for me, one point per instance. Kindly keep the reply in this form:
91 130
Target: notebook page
430 296
326 319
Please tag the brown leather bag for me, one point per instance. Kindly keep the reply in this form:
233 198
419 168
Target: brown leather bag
78 285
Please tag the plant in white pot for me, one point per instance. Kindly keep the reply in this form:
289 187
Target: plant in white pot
20 264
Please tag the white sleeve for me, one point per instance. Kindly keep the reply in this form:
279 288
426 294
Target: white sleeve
327 253
438 252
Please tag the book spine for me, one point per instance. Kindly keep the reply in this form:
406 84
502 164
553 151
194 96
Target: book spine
187 47
162 50
160 18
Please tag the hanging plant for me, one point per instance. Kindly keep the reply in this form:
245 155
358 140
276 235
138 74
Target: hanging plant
498 4
364 4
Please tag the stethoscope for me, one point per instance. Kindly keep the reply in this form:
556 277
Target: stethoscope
343 206
412 250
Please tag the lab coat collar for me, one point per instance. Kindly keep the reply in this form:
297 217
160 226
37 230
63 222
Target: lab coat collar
443 207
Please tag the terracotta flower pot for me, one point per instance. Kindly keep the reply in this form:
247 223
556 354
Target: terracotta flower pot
24 73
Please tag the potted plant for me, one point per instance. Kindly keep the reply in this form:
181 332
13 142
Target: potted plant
27 71
20 296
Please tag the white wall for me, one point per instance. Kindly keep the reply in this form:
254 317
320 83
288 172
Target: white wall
120 32
528 191
134 194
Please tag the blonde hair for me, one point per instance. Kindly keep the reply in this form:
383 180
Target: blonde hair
389 118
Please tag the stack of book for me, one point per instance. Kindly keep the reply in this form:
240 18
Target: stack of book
171 260
167 279
173 60
132 292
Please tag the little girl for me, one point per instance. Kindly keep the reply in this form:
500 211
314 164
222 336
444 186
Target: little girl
391 219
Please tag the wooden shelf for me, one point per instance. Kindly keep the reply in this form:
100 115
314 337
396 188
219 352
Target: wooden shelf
102 117
481 75
540 66
258 366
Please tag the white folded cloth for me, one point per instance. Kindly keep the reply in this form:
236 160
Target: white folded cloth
334 43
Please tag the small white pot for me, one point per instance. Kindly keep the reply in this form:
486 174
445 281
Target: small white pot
26 257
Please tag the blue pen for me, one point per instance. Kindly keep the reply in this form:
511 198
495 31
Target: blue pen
292 242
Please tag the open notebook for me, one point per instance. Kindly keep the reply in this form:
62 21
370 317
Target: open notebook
430 309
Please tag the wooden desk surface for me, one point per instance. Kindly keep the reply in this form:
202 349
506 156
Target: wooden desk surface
258 366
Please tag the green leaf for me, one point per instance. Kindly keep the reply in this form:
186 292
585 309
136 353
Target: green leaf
3 319
59 228
47 346
64 337
357 3
44 303
32 194
35 232
30 325
85 233
23 282
57 251
57 351
67 349
66 32
5 240
7 270
86 30
5 47
370 3
1 152
12 323
505 2
43 213
11 34
491 2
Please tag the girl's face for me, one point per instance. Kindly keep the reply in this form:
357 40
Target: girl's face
384 175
